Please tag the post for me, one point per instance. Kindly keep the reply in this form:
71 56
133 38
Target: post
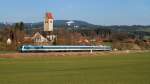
91 51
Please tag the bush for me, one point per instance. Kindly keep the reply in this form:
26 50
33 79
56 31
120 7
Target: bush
125 46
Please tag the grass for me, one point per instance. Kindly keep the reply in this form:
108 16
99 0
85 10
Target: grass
107 43
5 52
114 69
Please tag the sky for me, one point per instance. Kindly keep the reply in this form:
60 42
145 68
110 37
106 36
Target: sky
99 12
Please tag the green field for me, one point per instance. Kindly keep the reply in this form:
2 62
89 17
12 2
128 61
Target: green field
5 52
109 69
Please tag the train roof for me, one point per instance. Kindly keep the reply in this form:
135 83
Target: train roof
66 46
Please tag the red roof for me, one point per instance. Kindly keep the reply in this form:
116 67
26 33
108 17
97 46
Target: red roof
49 15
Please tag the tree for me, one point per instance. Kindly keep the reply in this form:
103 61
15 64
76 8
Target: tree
17 33
119 36
19 26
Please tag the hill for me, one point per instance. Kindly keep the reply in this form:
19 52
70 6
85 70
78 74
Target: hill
85 25
60 23
2 25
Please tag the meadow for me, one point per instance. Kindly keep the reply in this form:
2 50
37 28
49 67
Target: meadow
132 68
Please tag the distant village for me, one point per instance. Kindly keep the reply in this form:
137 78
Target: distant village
15 35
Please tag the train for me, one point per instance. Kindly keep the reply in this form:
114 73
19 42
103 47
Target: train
50 48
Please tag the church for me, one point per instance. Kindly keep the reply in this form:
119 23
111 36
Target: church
47 37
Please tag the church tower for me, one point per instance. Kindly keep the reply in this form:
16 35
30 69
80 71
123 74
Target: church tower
48 22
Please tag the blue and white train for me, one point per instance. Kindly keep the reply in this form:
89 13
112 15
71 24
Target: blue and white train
32 48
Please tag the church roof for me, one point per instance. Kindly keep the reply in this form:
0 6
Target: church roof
49 15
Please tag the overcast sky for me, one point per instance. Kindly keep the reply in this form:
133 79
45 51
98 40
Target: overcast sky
101 12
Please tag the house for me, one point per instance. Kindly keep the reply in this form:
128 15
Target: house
83 41
39 39
9 41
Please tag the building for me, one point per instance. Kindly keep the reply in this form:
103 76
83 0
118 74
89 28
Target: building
39 39
48 22
43 37
9 41
36 39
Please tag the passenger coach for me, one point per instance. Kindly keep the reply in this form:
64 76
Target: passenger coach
31 48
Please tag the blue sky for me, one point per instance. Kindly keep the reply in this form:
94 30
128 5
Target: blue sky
101 12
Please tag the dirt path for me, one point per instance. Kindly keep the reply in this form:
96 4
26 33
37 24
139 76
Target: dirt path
16 55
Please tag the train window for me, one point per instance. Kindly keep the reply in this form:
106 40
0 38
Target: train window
26 47
37 47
